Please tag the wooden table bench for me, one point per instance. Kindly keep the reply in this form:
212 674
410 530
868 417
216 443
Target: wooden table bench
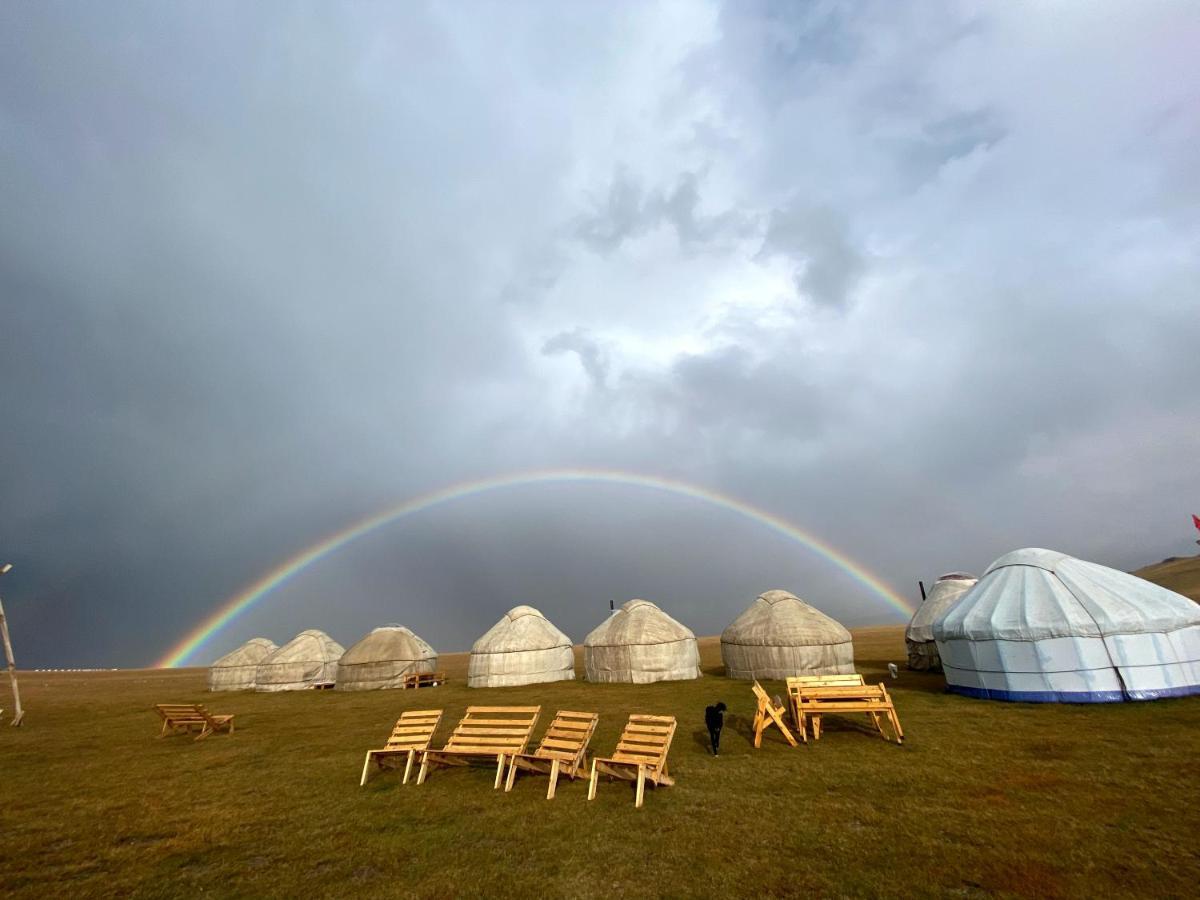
812 700
422 679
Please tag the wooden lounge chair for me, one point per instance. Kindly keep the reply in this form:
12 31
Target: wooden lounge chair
485 733
641 755
768 713
413 733
812 702
563 747
189 717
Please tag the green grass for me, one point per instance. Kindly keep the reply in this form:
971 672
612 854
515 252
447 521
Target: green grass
983 799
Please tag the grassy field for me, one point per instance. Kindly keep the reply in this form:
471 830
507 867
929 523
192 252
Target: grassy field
983 799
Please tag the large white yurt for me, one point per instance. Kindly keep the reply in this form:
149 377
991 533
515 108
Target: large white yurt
1045 627
641 644
524 647
235 670
309 660
780 635
382 658
945 593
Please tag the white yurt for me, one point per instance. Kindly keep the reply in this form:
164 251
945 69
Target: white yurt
945 593
309 660
382 658
780 635
1045 627
641 644
235 670
524 647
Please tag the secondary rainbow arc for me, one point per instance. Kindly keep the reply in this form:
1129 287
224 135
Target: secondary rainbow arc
229 610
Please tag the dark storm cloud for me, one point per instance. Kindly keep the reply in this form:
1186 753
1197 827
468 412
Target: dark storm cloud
921 281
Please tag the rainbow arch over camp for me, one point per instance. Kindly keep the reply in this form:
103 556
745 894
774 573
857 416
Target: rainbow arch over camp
230 609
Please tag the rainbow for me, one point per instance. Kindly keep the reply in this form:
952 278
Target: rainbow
195 639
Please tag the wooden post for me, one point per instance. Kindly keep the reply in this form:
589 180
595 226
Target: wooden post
12 668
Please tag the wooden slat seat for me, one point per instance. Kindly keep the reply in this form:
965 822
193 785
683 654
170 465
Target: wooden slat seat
641 755
189 717
423 679
812 700
413 732
485 733
768 713
563 748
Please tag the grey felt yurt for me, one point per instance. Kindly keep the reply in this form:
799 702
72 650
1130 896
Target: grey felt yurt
382 658
641 644
309 660
524 647
942 597
235 670
780 635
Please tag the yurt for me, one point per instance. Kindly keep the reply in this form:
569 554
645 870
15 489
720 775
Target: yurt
946 591
235 670
1045 627
524 647
641 644
780 635
309 660
382 658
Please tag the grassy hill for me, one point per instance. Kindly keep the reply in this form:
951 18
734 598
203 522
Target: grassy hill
1180 574
983 799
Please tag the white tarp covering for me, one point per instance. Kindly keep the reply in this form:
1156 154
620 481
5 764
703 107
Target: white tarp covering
310 659
945 593
524 647
235 671
780 635
382 658
641 644
1046 627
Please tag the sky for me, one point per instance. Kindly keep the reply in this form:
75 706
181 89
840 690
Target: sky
919 278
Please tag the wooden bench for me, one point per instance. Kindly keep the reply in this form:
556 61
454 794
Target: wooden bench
768 713
413 733
422 679
563 748
796 683
485 733
189 717
641 755
813 701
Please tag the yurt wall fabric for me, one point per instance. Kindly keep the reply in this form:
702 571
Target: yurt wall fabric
524 647
780 635
235 671
1045 627
641 644
382 658
945 593
310 659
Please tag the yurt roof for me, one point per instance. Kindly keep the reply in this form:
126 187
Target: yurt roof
311 644
388 642
1035 594
944 594
250 653
638 622
521 628
781 619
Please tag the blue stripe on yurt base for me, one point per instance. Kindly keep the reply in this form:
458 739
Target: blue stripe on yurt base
1162 693
1039 696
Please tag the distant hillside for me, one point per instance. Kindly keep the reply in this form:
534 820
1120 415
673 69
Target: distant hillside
1179 573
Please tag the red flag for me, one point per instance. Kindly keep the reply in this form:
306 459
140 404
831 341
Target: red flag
1196 521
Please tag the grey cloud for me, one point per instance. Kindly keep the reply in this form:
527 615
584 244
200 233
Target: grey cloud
817 240
590 353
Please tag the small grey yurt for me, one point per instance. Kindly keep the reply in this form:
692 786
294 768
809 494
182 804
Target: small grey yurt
1044 627
780 635
309 660
381 659
641 644
524 647
235 670
942 597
